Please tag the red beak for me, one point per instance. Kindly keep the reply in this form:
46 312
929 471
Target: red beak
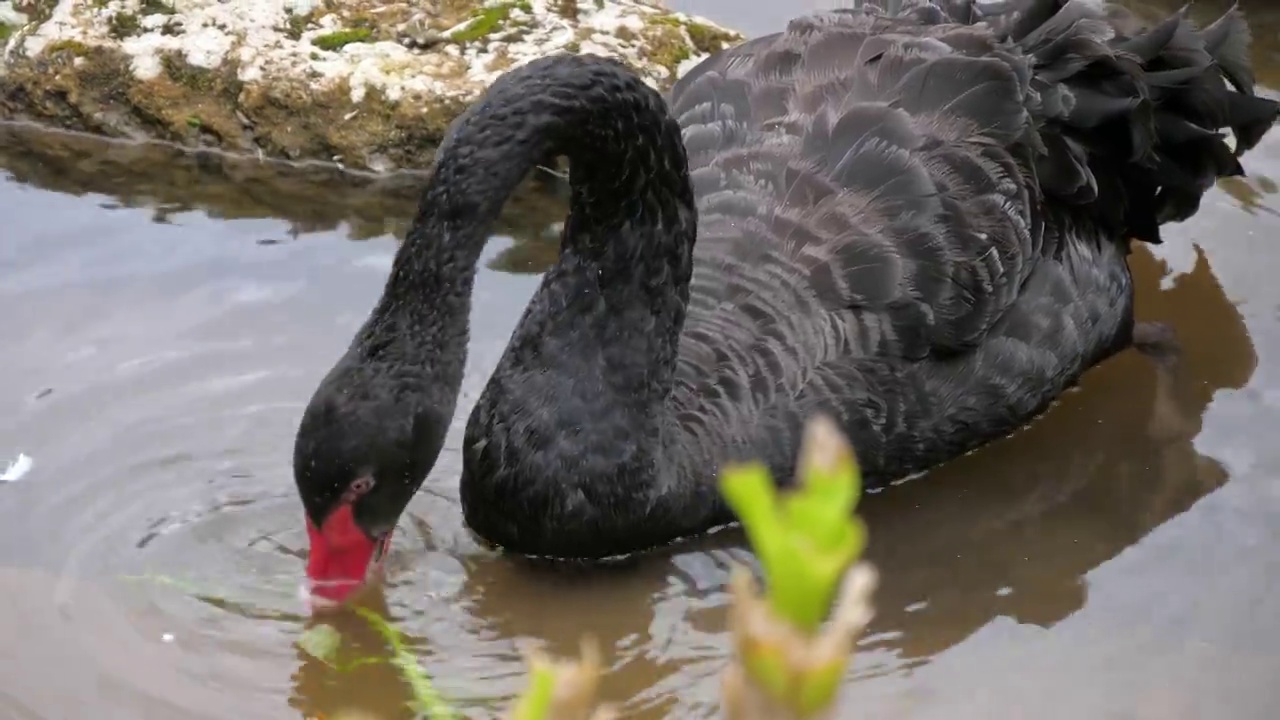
341 557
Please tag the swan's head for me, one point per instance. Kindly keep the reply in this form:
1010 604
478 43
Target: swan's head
365 444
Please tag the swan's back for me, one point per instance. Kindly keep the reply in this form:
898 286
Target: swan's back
878 191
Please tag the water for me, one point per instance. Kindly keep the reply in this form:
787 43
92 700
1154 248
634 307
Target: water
166 317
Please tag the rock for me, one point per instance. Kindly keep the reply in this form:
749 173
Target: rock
10 18
370 84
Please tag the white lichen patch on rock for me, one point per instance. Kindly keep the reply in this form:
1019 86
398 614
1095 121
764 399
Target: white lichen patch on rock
11 20
10 16
435 55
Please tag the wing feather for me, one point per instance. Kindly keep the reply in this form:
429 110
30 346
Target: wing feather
857 194
877 188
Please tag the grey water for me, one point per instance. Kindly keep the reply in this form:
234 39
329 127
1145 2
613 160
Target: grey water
164 318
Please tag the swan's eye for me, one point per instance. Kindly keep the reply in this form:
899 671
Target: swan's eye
358 487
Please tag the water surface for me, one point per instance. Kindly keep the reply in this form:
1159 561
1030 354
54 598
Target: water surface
165 318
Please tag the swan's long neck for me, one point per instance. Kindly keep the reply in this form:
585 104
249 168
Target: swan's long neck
570 425
632 221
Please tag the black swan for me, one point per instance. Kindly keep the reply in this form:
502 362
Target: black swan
914 219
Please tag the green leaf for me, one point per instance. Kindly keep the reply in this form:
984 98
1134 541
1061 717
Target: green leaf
807 538
167 581
818 687
770 671
321 642
535 702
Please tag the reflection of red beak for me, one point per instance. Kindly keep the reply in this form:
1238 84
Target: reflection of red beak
341 557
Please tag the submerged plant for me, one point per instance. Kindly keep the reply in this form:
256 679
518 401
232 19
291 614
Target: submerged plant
426 701
322 642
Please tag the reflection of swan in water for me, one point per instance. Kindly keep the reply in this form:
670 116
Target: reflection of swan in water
1251 192
1096 475
1029 516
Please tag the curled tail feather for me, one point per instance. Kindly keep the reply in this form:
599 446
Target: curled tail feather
1129 121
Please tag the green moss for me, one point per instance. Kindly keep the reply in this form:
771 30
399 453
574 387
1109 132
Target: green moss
567 9
6 31
707 39
704 38
674 57
156 7
486 20
296 24
668 46
339 39
40 10
671 40
189 104
123 25
187 75
75 47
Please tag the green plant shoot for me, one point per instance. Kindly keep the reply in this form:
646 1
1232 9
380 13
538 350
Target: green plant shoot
807 537
322 642
535 702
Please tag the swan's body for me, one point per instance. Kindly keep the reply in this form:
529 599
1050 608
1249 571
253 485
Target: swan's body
908 221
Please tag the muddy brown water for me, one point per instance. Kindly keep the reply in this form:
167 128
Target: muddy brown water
164 318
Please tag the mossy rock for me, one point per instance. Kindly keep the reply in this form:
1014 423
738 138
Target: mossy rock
488 20
192 105
339 39
89 84
91 88
708 39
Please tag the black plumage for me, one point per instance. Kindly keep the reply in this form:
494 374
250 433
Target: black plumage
912 218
